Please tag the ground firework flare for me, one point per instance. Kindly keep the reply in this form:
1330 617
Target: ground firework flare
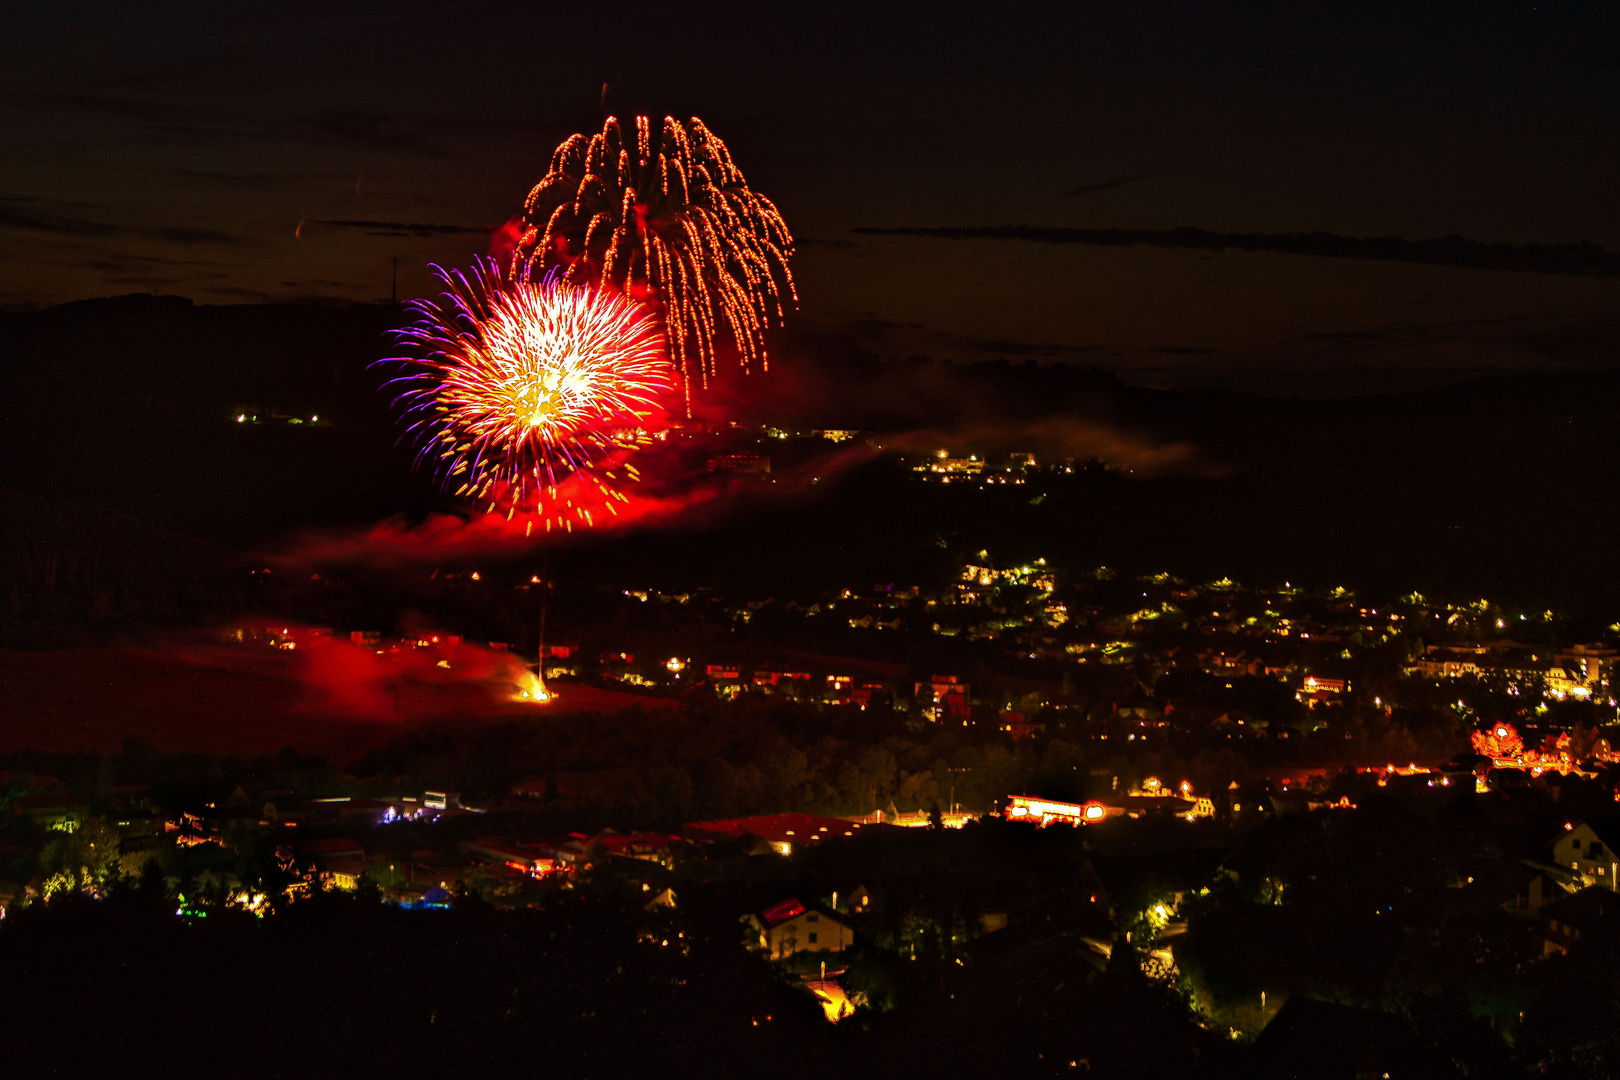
664 214
532 394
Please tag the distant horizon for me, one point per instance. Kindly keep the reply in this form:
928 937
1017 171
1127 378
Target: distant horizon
1302 381
1119 185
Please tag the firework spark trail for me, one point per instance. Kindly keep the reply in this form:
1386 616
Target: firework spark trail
670 218
517 385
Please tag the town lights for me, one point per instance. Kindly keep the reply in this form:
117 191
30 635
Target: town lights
675 664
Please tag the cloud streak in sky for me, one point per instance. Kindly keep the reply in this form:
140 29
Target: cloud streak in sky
1456 251
1109 185
60 225
54 224
405 228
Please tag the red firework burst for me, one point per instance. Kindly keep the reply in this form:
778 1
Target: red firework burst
532 395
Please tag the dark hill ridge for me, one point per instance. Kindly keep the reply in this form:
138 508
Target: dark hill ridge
71 575
1501 486
131 403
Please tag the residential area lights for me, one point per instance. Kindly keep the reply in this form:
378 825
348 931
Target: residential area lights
1049 633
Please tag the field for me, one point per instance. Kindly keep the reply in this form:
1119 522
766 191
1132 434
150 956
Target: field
225 699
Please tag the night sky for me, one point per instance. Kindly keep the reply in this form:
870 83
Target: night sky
177 147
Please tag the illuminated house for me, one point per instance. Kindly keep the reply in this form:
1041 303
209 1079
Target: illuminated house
339 861
1576 672
1589 850
1220 662
781 679
1317 689
1019 726
862 694
59 810
725 678
785 929
1177 802
1045 812
944 466
1590 663
1245 800
536 860
648 847
741 464
1180 801
944 698
1561 683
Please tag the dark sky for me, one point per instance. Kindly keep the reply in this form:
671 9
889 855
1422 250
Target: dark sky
176 147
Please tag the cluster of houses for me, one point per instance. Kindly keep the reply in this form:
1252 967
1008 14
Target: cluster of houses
1582 751
1578 672
1040 630
1575 890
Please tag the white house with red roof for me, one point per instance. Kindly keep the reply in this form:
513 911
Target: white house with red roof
787 928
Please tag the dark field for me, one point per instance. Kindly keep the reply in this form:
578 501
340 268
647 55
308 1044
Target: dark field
222 700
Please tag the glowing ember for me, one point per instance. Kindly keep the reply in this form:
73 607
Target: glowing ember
532 689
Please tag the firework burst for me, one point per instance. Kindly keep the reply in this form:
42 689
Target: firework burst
665 215
531 395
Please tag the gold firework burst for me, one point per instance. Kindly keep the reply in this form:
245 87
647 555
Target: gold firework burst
665 216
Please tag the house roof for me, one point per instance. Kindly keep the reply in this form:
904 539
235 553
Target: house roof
776 828
782 912
1588 909
1336 1041
790 909
1607 829
646 841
